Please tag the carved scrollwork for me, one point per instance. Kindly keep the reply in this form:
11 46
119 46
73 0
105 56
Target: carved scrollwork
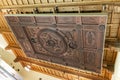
73 45
33 40
90 38
52 41
90 58
79 26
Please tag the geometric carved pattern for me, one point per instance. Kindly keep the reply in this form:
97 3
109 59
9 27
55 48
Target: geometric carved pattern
75 41
52 41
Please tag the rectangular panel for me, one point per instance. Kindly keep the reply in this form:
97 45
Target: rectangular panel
25 1
66 19
70 40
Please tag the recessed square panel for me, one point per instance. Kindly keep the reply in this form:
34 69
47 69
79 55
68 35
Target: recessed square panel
70 40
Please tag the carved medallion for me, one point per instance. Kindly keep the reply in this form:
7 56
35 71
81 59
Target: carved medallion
102 27
52 41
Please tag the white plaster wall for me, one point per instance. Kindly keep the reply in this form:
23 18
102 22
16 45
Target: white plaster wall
116 74
3 43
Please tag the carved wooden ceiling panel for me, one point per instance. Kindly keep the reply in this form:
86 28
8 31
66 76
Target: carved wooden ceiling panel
71 40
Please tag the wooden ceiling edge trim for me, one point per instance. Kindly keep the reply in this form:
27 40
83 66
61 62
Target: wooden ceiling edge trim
118 34
41 71
60 68
82 3
12 47
52 72
111 39
18 54
5 31
49 74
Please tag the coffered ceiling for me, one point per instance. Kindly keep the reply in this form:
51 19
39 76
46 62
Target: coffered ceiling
110 7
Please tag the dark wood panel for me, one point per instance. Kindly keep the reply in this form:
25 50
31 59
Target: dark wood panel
90 20
75 41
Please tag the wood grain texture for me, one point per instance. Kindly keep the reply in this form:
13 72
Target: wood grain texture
75 41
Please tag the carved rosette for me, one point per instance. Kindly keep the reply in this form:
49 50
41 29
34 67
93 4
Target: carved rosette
52 41
102 27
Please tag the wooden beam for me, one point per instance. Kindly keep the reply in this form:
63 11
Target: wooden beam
81 3
10 46
107 49
118 34
110 39
110 30
5 31
60 68
49 72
